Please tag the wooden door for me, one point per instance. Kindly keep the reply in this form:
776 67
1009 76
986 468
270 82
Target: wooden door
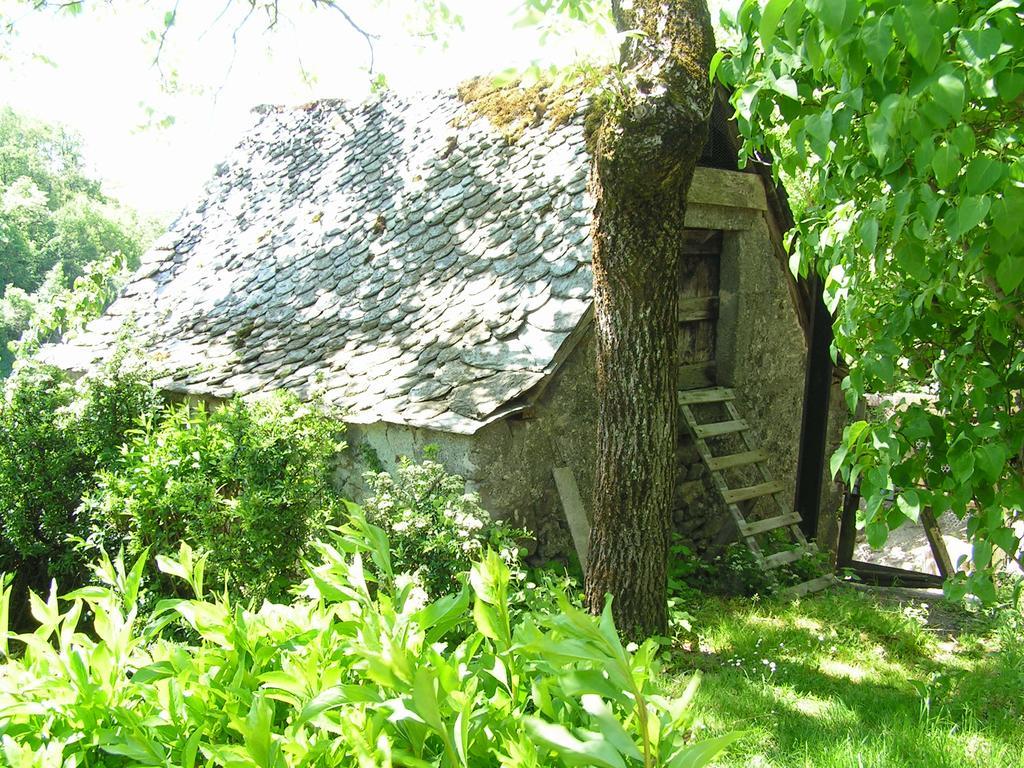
698 307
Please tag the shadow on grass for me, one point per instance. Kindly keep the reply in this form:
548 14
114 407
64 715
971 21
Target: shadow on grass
840 681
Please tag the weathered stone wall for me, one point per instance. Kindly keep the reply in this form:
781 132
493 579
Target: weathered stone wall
508 462
761 353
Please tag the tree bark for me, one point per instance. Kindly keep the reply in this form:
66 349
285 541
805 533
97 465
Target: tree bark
645 152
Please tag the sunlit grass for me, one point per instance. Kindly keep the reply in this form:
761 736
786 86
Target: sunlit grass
839 681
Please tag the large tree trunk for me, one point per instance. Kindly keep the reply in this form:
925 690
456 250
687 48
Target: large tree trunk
645 152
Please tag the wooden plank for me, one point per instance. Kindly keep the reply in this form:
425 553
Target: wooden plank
712 186
771 523
693 308
783 558
717 428
697 375
888 576
712 395
807 587
753 491
575 512
937 543
719 463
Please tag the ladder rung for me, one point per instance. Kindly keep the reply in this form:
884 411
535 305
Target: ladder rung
752 491
713 395
763 526
782 558
719 463
814 585
719 428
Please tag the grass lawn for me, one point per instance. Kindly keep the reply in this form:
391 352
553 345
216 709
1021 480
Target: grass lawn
841 680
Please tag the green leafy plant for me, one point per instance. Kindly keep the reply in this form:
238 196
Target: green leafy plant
351 673
436 528
54 435
246 483
905 116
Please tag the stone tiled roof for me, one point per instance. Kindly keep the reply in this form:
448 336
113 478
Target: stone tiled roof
400 259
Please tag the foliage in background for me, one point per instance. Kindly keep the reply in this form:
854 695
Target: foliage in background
56 311
54 435
246 483
908 116
437 529
353 674
56 226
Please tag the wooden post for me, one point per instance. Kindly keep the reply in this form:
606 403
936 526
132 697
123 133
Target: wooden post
575 513
848 528
936 542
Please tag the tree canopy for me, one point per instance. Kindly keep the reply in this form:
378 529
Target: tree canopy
906 116
56 226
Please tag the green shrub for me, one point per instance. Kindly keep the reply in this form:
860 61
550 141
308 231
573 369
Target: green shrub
54 435
354 673
247 483
436 528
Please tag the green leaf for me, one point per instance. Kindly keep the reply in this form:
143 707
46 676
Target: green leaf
961 459
969 214
1010 273
572 750
1010 84
1006 540
611 728
700 755
876 533
946 164
982 174
770 18
878 129
716 61
787 87
978 45
981 553
948 93
909 503
990 459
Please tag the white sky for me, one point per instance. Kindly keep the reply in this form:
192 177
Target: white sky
101 78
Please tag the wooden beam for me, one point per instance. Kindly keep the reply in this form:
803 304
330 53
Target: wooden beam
732 189
575 512
887 576
814 585
712 395
937 543
717 428
737 460
770 524
753 491
783 558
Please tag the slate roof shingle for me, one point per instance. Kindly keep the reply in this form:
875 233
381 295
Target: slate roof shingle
399 258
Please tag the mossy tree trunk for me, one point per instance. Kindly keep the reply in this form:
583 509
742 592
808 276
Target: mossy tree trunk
645 151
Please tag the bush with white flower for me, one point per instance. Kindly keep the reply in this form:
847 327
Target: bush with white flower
437 529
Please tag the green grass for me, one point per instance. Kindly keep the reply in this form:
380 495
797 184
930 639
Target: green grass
840 681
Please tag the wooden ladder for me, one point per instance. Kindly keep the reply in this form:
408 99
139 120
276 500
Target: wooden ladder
752 456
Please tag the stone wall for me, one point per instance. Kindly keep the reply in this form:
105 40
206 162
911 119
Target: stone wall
761 353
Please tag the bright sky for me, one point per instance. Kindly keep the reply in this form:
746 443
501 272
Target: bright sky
94 73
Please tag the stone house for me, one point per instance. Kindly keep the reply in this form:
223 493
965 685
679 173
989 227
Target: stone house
417 265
